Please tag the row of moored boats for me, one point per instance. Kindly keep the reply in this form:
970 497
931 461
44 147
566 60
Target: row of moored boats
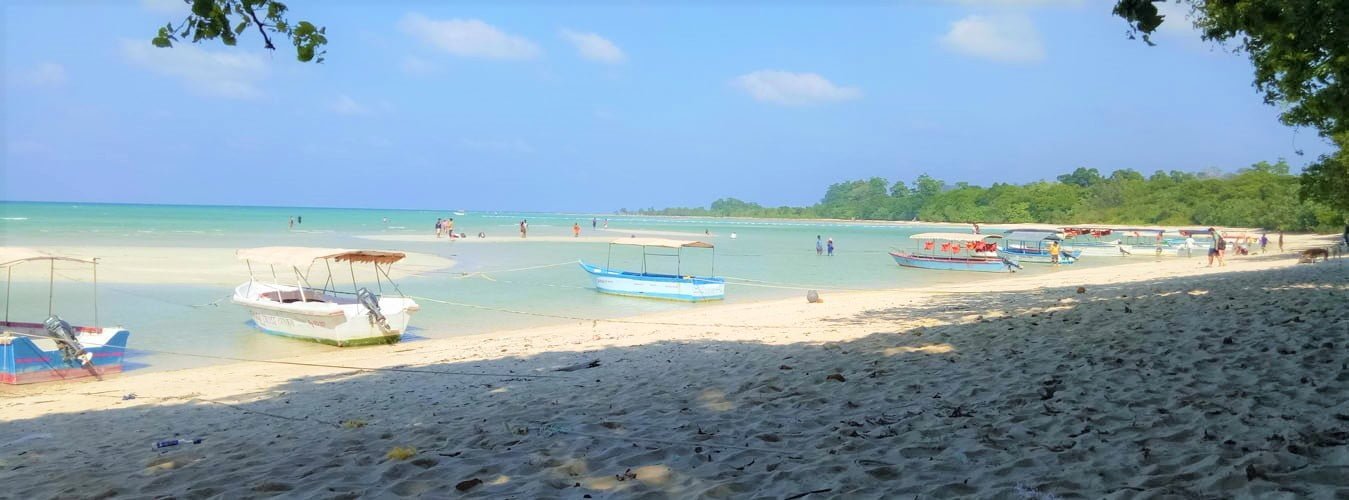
313 306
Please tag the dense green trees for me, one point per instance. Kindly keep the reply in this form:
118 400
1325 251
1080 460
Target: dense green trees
1300 51
1263 195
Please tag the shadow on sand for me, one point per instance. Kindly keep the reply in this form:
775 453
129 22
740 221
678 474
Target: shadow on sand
1229 385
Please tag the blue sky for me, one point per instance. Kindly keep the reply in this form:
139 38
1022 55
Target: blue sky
528 106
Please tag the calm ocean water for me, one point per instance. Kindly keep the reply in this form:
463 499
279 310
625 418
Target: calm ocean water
180 318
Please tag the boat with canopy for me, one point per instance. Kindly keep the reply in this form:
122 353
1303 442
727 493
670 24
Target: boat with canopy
1034 246
956 252
322 313
53 349
1095 241
644 283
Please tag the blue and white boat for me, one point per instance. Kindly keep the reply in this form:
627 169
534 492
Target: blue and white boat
1034 246
53 349
955 252
677 286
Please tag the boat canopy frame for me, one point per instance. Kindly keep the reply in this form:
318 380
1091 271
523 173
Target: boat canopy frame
677 245
293 256
922 251
11 257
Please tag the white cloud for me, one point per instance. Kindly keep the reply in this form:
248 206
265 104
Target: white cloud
414 65
229 73
1007 38
785 87
594 47
345 105
468 38
47 74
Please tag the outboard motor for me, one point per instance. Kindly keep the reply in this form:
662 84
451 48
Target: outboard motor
371 303
64 335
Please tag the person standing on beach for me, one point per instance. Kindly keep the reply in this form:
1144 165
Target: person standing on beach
819 245
1054 253
830 245
440 226
1264 242
449 227
576 230
524 227
1219 246
1280 241
976 228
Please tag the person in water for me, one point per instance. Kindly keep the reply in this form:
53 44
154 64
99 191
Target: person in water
524 228
576 230
830 245
292 223
594 222
819 245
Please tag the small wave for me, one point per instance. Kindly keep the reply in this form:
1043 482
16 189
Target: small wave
13 218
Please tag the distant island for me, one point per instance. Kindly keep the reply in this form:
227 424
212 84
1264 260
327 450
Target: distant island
1263 195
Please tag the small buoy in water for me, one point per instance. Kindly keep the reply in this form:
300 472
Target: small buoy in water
733 236
813 297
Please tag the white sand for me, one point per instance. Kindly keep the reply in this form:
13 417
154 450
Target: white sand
1163 379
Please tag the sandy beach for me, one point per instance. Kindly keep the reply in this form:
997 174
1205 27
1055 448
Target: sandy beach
1152 379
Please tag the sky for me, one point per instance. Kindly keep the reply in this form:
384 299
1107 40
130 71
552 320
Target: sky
613 104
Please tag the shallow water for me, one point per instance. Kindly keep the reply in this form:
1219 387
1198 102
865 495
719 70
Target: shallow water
199 319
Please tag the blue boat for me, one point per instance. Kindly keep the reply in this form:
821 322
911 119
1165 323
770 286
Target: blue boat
54 350
1034 246
955 252
678 286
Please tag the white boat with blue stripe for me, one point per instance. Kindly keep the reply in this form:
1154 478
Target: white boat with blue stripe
678 286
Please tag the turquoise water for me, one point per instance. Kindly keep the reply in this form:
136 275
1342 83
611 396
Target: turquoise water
163 317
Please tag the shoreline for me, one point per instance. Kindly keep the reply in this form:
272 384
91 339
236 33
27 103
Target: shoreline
1112 274
951 390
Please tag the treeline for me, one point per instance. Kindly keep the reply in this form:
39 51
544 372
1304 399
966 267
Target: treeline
1264 195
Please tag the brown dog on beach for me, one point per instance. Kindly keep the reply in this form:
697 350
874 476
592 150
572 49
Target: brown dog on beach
1310 255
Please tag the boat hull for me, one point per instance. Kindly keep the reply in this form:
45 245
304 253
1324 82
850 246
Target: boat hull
27 356
1040 256
331 323
977 264
1100 249
656 286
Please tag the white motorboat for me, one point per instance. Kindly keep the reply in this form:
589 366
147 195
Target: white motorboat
321 313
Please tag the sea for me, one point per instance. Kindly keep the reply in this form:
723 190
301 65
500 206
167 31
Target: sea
516 285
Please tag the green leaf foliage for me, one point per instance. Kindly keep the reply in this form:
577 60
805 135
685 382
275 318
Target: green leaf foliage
1300 53
226 20
1263 195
